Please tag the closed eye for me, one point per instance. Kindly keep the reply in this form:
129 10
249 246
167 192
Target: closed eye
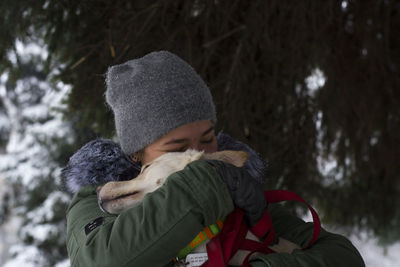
182 149
208 141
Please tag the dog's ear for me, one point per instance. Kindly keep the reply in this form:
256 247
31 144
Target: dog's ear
237 158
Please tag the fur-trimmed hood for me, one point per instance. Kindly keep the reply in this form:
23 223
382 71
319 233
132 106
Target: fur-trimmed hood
101 161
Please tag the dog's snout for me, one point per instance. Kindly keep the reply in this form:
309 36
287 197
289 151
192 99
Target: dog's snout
100 203
99 200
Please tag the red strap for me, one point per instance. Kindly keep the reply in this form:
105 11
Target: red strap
275 196
215 253
229 240
264 226
263 230
233 235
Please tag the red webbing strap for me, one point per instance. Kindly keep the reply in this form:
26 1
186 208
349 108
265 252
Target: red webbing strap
221 248
275 196
264 227
215 253
232 237
233 245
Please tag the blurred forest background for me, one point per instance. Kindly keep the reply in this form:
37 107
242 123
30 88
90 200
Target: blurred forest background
313 86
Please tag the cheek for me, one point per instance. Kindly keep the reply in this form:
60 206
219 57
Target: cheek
210 148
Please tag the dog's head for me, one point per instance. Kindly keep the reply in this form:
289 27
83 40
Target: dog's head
115 197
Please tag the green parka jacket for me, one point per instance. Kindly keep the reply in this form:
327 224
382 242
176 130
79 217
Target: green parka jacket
152 233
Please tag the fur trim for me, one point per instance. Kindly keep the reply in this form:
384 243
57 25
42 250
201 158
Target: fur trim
98 162
101 161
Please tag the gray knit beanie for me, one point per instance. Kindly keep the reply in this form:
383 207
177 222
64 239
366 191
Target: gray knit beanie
153 95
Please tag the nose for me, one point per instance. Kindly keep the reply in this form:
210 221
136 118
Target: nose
208 147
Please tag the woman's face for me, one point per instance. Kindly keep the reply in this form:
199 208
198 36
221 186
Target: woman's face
199 135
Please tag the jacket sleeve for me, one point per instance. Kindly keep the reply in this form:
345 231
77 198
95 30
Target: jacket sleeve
329 250
152 233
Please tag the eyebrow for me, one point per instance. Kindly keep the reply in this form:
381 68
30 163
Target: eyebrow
183 140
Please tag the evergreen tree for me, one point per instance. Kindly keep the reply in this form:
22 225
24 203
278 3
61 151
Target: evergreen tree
30 164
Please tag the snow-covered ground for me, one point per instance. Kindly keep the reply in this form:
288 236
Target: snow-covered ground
374 255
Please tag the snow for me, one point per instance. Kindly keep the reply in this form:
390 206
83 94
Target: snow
35 113
315 81
374 255
8 236
45 212
64 263
4 122
39 232
327 164
344 5
4 77
37 48
26 256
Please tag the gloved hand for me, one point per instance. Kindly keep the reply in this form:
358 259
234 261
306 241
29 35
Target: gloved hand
246 193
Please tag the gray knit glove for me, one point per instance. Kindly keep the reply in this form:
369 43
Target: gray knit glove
246 193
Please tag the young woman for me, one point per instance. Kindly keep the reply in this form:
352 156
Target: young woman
160 105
